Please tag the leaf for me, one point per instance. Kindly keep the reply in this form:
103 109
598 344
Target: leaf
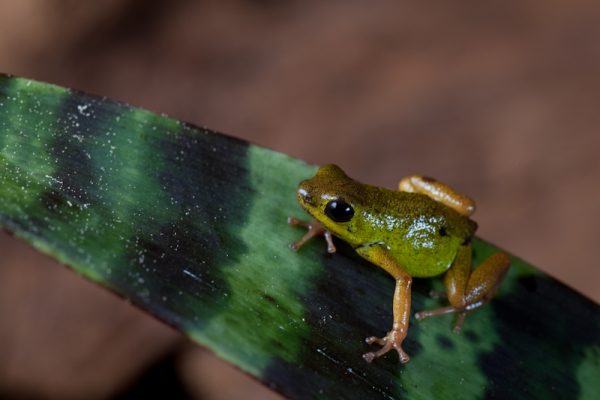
190 225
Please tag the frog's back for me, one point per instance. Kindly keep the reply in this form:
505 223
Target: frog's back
423 235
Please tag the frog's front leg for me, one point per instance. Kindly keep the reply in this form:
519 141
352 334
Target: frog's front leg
314 228
379 256
468 290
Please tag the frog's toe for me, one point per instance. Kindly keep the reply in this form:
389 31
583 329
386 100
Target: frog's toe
432 313
460 320
370 356
404 358
296 221
375 339
458 324
392 341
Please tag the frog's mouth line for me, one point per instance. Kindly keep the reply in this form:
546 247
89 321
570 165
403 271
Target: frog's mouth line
370 244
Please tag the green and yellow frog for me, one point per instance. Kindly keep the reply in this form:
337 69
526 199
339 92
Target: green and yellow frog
422 230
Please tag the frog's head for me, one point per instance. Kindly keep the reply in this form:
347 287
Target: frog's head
333 199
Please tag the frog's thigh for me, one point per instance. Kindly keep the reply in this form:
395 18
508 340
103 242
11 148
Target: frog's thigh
438 191
457 277
468 289
486 278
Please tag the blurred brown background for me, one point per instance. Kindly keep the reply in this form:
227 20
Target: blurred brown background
500 99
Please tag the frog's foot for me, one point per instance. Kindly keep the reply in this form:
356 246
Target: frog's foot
480 285
393 340
462 313
315 228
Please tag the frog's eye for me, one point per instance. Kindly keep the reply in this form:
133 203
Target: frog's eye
339 211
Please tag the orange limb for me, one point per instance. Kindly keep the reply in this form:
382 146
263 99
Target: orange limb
315 228
438 191
401 304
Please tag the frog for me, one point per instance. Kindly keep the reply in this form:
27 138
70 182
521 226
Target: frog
421 230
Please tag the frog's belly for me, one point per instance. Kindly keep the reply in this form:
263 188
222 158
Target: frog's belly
425 262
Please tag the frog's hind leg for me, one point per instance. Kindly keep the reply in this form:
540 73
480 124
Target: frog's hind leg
468 290
439 192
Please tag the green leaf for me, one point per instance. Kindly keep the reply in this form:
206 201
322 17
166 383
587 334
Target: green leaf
191 226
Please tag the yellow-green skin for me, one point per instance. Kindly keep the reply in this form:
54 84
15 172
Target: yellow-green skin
421 234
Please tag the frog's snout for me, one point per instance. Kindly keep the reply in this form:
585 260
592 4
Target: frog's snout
305 193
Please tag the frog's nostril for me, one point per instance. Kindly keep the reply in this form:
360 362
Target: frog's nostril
303 194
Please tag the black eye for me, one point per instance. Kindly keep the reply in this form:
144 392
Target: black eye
339 210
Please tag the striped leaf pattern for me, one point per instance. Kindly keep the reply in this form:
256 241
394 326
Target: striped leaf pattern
190 225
